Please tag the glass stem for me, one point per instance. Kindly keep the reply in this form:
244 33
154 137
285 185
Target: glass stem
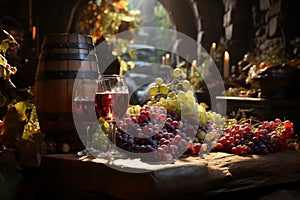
113 134
88 138
90 130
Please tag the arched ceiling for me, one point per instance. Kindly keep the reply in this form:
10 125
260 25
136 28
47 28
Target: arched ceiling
182 13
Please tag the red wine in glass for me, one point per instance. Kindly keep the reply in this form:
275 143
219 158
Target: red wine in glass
84 110
85 115
111 105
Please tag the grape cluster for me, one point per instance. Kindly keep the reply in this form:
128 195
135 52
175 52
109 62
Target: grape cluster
206 138
143 122
170 124
151 129
100 140
243 138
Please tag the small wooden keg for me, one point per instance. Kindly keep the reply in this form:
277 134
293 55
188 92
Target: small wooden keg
63 58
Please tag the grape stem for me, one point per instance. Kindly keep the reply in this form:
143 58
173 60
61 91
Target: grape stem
250 120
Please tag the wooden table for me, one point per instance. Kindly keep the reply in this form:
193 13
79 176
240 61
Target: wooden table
216 176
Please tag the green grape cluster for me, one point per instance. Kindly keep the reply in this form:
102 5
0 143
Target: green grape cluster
159 87
174 95
178 97
100 140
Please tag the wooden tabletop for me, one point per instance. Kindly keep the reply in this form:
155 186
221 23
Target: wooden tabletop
187 178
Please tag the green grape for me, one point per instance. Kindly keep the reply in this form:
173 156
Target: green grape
186 84
130 110
176 104
204 147
190 104
168 105
134 109
189 93
163 88
100 140
180 124
162 101
159 81
209 136
201 135
190 99
176 73
153 90
214 143
171 95
181 96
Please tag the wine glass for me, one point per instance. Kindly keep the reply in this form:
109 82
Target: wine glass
111 103
84 113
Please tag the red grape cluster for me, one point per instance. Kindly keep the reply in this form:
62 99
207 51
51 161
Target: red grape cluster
262 138
155 130
165 134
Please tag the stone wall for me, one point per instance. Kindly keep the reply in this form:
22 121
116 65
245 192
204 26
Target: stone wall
274 23
266 25
256 26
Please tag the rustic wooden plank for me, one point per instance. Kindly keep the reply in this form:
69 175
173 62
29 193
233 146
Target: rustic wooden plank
217 173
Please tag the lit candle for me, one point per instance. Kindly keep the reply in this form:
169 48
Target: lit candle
226 65
213 50
194 65
33 32
163 60
167 59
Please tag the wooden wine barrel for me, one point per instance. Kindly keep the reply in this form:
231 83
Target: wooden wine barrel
63 58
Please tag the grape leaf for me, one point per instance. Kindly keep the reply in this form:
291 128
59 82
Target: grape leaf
6 40
23 108
3 61
4 46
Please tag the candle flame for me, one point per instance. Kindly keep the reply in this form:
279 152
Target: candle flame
214 45
163 60
226 55
194 63
33 32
